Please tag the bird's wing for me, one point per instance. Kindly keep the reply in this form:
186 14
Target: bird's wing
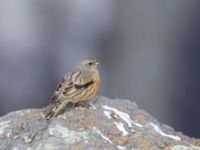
65 82
80 84
73 86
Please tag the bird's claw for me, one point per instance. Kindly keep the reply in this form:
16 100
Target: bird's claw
82 104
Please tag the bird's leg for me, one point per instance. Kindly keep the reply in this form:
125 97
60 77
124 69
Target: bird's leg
83 104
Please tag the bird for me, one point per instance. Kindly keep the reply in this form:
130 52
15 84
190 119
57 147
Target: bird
81 84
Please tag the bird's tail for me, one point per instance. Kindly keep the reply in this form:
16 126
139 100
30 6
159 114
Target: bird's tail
51 112
55 109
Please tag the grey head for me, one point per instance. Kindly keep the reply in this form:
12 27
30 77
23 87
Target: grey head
89 64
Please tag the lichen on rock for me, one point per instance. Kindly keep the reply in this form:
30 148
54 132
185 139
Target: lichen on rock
108 124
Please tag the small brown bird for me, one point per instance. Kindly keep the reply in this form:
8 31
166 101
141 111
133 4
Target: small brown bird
79 85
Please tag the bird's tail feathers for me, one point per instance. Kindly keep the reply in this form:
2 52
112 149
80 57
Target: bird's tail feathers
55 109
51 112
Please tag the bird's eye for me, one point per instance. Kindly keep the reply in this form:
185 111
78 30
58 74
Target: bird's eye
90 64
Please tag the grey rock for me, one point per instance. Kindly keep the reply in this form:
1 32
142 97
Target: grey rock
108 124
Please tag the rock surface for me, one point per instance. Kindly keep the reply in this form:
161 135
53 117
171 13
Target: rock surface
108 124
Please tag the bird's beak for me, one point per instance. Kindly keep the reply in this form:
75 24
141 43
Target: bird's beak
97 62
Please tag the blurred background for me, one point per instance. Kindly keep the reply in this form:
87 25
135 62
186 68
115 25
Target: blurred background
150 51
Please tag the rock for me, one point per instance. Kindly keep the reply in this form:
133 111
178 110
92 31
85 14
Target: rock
108 124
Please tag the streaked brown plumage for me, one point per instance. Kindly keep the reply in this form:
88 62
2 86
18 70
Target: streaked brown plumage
79 85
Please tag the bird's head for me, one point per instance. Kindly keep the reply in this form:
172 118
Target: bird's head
89 64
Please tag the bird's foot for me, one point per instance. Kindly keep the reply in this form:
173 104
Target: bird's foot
83 104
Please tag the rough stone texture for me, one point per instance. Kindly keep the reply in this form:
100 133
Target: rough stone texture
108 124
